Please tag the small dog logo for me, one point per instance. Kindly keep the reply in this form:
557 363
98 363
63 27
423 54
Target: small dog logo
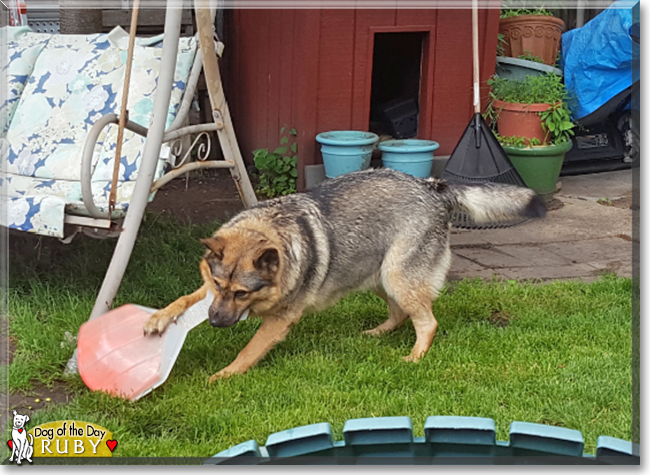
20 446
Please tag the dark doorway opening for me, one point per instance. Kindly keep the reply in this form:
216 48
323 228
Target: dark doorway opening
395 88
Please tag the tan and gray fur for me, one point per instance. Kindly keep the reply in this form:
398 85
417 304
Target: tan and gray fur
378 230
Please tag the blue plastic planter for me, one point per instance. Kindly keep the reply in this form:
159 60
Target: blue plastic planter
412 156
346 151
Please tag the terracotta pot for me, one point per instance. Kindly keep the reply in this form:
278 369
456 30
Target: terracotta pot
521 120
538 35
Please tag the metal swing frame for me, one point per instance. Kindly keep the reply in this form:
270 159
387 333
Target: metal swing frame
206 59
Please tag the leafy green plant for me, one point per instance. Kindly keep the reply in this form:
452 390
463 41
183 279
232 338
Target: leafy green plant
501 42
557 121
278 169
544 89
513 12
530 57
519 142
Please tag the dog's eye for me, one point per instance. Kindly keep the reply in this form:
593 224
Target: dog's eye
240 294
216 284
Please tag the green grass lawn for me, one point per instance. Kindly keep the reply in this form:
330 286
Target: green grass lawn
557 353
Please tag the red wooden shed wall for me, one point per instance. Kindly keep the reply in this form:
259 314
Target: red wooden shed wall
311 69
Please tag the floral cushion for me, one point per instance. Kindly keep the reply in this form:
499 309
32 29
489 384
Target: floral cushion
23 47
40 214
75 80
31 210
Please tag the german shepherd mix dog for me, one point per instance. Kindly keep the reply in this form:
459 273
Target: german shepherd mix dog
380 230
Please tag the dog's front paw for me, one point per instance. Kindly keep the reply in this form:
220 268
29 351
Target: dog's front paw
413 358
224 374
220 375
373 332
157 323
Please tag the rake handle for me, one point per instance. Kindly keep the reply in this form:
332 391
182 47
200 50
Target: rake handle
476 71
112 198
477 79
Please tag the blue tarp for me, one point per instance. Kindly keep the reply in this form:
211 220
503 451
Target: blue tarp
597 58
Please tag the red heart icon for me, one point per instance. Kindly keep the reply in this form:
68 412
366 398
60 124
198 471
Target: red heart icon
20 431
111 444
10 443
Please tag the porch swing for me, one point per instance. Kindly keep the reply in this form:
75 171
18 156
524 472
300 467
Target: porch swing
59 177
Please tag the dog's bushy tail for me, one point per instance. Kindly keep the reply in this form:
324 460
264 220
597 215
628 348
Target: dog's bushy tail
492 202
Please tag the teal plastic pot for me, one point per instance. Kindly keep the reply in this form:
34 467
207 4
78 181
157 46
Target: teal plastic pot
539 166
412 156
346 151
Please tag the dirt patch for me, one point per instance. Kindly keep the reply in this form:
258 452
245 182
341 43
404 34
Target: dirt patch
7 345
34 399
621 203
500 319
554 204
201 198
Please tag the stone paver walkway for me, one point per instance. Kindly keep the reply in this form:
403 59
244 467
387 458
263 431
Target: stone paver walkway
587 236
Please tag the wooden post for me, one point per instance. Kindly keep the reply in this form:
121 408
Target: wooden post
220 112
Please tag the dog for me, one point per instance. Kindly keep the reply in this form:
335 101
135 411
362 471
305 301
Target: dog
379 230
21 448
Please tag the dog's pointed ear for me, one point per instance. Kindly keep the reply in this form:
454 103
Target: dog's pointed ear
268 261
15 413
214 245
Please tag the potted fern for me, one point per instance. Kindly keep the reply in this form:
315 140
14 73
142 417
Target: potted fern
532 122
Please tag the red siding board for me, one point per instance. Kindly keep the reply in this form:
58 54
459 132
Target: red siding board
452 97
245 93
285 117
489 37
305 82
335 70
427 86
420 17
262 94
272 77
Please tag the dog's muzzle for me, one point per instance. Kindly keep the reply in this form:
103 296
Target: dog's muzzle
221 320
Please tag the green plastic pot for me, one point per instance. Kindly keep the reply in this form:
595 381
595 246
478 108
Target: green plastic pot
539 166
